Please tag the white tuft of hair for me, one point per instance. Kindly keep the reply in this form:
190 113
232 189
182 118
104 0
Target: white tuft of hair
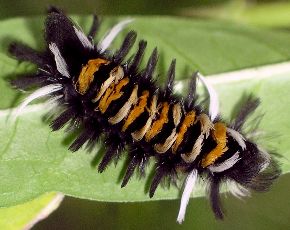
238 137
188 188
236 189
213 96
44 91
227 164
83 39
267 158
59 60
106 41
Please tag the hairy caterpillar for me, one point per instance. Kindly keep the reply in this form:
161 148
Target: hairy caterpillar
107 95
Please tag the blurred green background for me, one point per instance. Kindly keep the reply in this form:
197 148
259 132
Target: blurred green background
109 7
273 13
83 214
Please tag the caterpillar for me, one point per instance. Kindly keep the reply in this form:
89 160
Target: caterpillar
105 95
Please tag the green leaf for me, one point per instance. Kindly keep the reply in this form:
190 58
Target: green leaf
24 216
33 160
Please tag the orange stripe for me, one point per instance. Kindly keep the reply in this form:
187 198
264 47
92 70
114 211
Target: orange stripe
113 93
220 136
115 75
187 122
137 110
86 76
158 124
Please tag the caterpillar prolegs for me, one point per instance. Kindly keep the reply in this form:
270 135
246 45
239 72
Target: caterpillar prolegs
109 95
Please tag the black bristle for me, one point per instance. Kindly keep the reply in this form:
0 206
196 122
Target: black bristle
125 47
94 27
107 158
164 172
159 174
81 139
137 159
92 142
62 119
53 9
138 57
115 146
25 53
151 64
90 133
215 202
130 170
170 79
26 82
79 142
248 107
191 97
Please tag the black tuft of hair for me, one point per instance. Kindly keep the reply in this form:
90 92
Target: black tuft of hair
115 147
62 119
165 171
134 65
192 96
94 27
125 47
138 158
25 53
214 195
170 79
54 9
151 64
250 105
91 131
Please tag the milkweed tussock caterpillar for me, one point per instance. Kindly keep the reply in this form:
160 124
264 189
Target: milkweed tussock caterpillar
106 95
